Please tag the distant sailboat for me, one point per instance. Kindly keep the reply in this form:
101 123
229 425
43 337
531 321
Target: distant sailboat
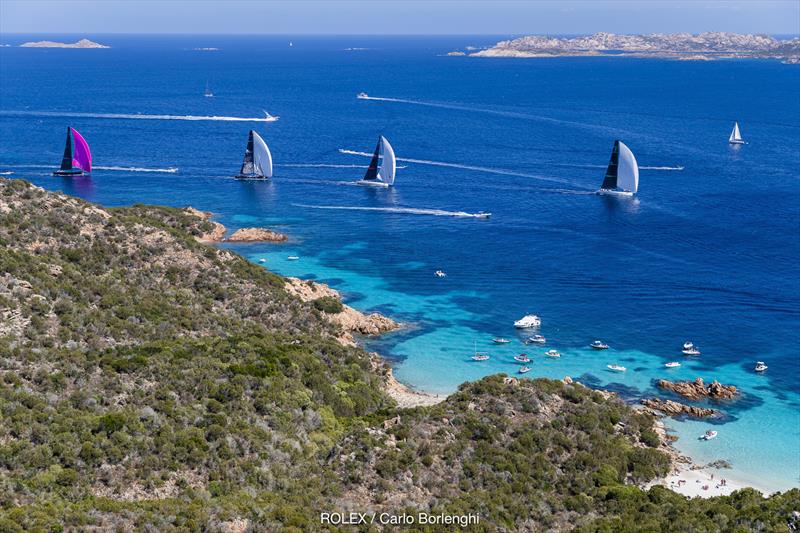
257 163
77 159
736 135
382 167
207 93
622 175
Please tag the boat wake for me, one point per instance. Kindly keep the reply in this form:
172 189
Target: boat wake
169 170
605 166
662 168
324 165
137 116
400 210
466 167
6 173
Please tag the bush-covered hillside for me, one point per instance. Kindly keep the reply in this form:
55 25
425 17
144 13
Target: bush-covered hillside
150 382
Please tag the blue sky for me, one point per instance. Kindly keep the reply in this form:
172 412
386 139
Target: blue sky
397 16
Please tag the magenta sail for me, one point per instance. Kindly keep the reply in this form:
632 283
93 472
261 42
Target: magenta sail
81 157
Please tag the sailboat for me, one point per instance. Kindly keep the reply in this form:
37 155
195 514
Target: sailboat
77 159
257 163
207 93
736 135
382 166
622 175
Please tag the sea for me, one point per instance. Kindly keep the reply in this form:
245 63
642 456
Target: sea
707 250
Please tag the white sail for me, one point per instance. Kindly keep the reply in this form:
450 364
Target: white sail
388 164
628 170
262 158
736 136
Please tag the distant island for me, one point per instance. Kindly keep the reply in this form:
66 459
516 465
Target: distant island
83 43
682 46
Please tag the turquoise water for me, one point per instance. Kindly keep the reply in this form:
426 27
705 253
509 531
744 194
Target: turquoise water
707 251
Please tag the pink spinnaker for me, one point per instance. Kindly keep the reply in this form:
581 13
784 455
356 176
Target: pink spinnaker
81 156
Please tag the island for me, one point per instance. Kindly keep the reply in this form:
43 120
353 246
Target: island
682 46
153 382
83 43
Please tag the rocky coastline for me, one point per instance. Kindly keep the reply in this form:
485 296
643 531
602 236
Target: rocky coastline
673 408
698 390
218 231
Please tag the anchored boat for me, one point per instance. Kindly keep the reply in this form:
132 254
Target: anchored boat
382 167
622 174
77 159
257 163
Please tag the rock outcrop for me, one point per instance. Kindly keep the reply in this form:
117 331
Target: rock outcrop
256 235
83 43
217 233
673 408
697 389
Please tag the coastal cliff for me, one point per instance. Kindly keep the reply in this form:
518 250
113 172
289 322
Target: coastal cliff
149 381
703 46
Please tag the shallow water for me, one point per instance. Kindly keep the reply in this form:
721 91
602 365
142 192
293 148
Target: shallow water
707 253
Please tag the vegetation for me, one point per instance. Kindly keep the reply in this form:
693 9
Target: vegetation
329 304
149 382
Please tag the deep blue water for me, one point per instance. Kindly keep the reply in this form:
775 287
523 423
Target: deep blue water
707 253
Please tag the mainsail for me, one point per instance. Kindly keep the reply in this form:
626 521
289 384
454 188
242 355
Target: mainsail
383 164
257 161
736 135
622 174
77 158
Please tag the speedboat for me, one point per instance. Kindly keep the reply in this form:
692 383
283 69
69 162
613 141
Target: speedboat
480 357
599 345
524 370
616 368
440 274
535 339
694 350
293 258
500 340
362 96
522 358
552 353
708 435
482 214
262 260
688 345
760 366
673 364
528 321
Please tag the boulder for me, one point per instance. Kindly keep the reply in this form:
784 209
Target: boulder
697 389
672 408
256 235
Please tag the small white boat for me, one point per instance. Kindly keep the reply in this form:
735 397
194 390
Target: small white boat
688 345
599 345
207 93
708 435
535 339
440 274
362 96
500 340
616 368
262 260
736 135
694 350
673 364
528 321
293 258
552 353
480 357
760 366
524 370
482 214
522 358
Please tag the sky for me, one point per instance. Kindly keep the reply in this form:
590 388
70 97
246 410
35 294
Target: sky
372 17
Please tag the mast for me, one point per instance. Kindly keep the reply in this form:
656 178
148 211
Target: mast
66 161
610 179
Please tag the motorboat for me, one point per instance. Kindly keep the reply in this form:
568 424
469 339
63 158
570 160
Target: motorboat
599 345
500 340
688 345
528 321
482 214
522 358
262 260
535 339
760 366
552 353
362 96
616 368
694 350
708 435
440 274
524 370
293 258
673 364
480 357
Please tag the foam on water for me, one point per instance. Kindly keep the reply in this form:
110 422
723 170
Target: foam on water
136 116
397 210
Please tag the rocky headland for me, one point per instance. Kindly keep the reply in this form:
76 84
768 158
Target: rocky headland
685 46
212 231
83 43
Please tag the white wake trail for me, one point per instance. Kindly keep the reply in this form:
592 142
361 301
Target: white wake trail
402 210
168 170
662 168
137 116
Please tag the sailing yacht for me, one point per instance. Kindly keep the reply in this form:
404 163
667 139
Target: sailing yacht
207 93
622 174
382 167
736 135
257 163
77 160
